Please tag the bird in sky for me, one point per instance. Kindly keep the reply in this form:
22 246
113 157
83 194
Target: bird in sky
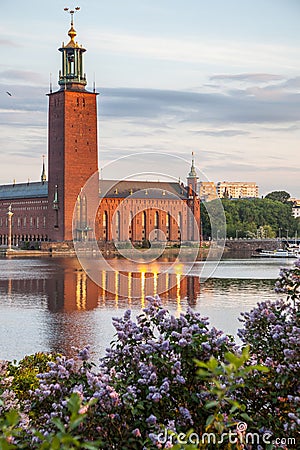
8 93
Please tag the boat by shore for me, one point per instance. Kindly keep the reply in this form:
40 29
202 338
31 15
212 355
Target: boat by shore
278 253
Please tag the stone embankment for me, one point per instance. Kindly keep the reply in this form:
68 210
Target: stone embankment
252 244
244 247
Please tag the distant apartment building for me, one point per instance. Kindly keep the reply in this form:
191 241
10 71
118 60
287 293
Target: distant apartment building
237 189
207 191
296 207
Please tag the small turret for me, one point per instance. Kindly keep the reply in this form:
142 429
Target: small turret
192 179
43 175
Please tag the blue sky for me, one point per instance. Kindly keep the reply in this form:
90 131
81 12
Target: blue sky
220 78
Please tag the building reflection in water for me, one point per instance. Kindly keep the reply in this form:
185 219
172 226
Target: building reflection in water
70 289
72 298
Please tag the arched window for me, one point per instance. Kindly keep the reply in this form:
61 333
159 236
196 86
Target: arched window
156 221
144 225
118 225
179 222
130 225
105 225
83 211
81 217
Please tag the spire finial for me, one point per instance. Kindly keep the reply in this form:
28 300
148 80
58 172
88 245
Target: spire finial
72 33
72 12
193 173
43 175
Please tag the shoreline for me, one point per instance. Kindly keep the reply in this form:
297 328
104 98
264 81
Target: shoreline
244 248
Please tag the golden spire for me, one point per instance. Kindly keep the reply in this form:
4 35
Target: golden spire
72 32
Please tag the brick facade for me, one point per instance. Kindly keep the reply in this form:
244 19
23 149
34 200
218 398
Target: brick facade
29 221
72 155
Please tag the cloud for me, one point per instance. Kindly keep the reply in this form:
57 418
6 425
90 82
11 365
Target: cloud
289 129
248 77
21 75
193 51
292 83
164 110
8 43
255 105
222 133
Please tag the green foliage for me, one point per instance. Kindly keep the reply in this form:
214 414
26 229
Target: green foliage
254 218
10 430
68 436
64 436
25 372
279 196
225 379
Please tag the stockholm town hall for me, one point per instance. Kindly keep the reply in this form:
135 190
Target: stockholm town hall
57 208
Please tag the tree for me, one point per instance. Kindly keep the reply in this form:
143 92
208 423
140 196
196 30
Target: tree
279 196
245 217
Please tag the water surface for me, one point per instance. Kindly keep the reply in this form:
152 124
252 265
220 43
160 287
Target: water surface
50 304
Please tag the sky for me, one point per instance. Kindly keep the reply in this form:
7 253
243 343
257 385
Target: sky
217 78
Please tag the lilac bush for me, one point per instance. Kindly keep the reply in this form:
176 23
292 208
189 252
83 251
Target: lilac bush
272 330
153 366
147 381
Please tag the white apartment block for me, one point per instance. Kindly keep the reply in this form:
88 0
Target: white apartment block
296 207
237 189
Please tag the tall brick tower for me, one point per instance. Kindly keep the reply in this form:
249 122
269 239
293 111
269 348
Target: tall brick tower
72 140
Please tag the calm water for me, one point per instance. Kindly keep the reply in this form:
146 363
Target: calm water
50 304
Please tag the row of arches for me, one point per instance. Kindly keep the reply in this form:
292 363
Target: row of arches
19 240
138 226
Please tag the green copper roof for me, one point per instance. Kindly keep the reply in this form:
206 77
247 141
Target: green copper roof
24 190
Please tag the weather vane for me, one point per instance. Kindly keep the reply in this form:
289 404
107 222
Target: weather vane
72 12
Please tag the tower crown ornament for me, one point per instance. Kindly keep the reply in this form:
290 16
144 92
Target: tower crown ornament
71 75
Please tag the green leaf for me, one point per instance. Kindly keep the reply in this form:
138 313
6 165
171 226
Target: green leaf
246 417
55 444
233 359
203 373
212 363
76 422
91 446
211 404
58 423
201 364
209 420
260 368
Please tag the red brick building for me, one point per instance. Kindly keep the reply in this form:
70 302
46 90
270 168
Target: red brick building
61 209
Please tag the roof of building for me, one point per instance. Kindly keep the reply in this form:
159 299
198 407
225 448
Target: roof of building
23 190
107 189
142 189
